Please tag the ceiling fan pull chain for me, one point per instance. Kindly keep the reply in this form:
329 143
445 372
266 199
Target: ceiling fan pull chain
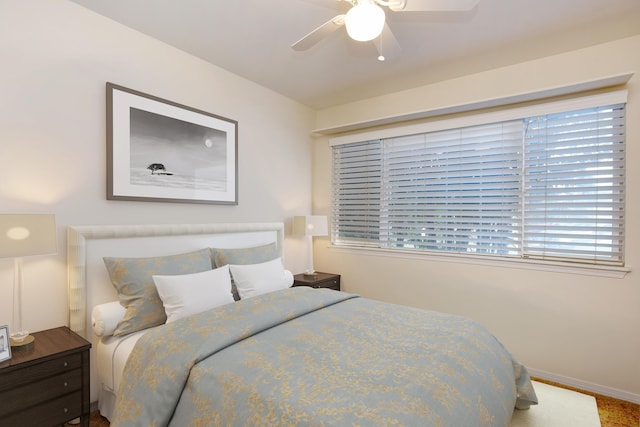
381 57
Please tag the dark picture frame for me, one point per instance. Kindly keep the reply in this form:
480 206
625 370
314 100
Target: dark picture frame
5 344
162 151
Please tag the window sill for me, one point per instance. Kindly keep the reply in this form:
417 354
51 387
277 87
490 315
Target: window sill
555 267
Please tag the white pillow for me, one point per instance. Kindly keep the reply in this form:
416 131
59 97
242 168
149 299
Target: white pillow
105 318
257 279
189 294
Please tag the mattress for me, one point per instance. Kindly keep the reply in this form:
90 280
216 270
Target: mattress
112 354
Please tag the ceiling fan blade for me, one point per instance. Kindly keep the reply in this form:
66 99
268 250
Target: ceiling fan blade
432 5
319 33
387 44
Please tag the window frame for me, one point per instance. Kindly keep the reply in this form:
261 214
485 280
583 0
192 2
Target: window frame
479 118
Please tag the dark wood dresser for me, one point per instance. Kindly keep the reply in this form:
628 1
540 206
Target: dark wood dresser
48 384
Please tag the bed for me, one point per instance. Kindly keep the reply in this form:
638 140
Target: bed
286 356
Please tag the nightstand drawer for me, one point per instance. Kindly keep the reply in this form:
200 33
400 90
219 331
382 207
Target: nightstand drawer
330 284
52 413
38 371
35 393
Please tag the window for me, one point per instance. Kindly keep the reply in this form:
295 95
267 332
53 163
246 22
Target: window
546 186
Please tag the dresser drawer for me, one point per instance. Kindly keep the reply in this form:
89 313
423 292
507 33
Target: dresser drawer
49 414
20 377
35 393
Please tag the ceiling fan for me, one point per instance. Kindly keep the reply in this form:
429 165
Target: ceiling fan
365 21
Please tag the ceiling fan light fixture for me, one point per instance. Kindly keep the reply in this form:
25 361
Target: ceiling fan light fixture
364 21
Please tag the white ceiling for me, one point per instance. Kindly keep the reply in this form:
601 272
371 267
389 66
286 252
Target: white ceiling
252 38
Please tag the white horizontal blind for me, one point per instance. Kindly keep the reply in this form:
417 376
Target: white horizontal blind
545 187
574 200
456 190
356 193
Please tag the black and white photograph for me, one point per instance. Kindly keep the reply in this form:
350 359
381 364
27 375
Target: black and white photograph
162 151
5 344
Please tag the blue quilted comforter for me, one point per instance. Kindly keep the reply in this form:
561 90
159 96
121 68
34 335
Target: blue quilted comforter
314 357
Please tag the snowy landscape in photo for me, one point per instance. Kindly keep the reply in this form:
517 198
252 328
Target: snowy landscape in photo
172 153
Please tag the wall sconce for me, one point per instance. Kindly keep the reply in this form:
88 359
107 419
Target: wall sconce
309 226
24 235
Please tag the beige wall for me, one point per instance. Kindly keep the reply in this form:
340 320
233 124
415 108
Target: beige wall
577 328
56 58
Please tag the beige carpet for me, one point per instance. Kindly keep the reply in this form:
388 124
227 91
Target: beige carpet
558 407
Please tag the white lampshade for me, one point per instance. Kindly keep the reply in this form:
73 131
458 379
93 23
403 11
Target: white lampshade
27 234
364 21
310 225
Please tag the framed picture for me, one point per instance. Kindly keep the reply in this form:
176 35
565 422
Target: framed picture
161 151
5 344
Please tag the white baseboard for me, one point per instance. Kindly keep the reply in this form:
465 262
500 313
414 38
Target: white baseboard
586 386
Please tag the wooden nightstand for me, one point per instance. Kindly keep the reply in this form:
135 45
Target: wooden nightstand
323 280
47 385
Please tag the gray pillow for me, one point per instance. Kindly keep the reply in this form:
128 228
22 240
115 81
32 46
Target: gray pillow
137 292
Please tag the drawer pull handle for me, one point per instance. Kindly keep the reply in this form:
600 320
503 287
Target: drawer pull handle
65 364
66 384
65 410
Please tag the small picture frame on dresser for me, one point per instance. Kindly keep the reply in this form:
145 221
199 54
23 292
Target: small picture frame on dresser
5 344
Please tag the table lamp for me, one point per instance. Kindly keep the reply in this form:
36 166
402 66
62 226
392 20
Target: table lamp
309 226
24 235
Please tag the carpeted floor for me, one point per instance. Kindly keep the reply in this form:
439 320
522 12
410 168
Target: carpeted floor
613 412
97 420
617 413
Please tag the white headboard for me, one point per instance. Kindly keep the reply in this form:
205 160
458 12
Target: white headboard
88 279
